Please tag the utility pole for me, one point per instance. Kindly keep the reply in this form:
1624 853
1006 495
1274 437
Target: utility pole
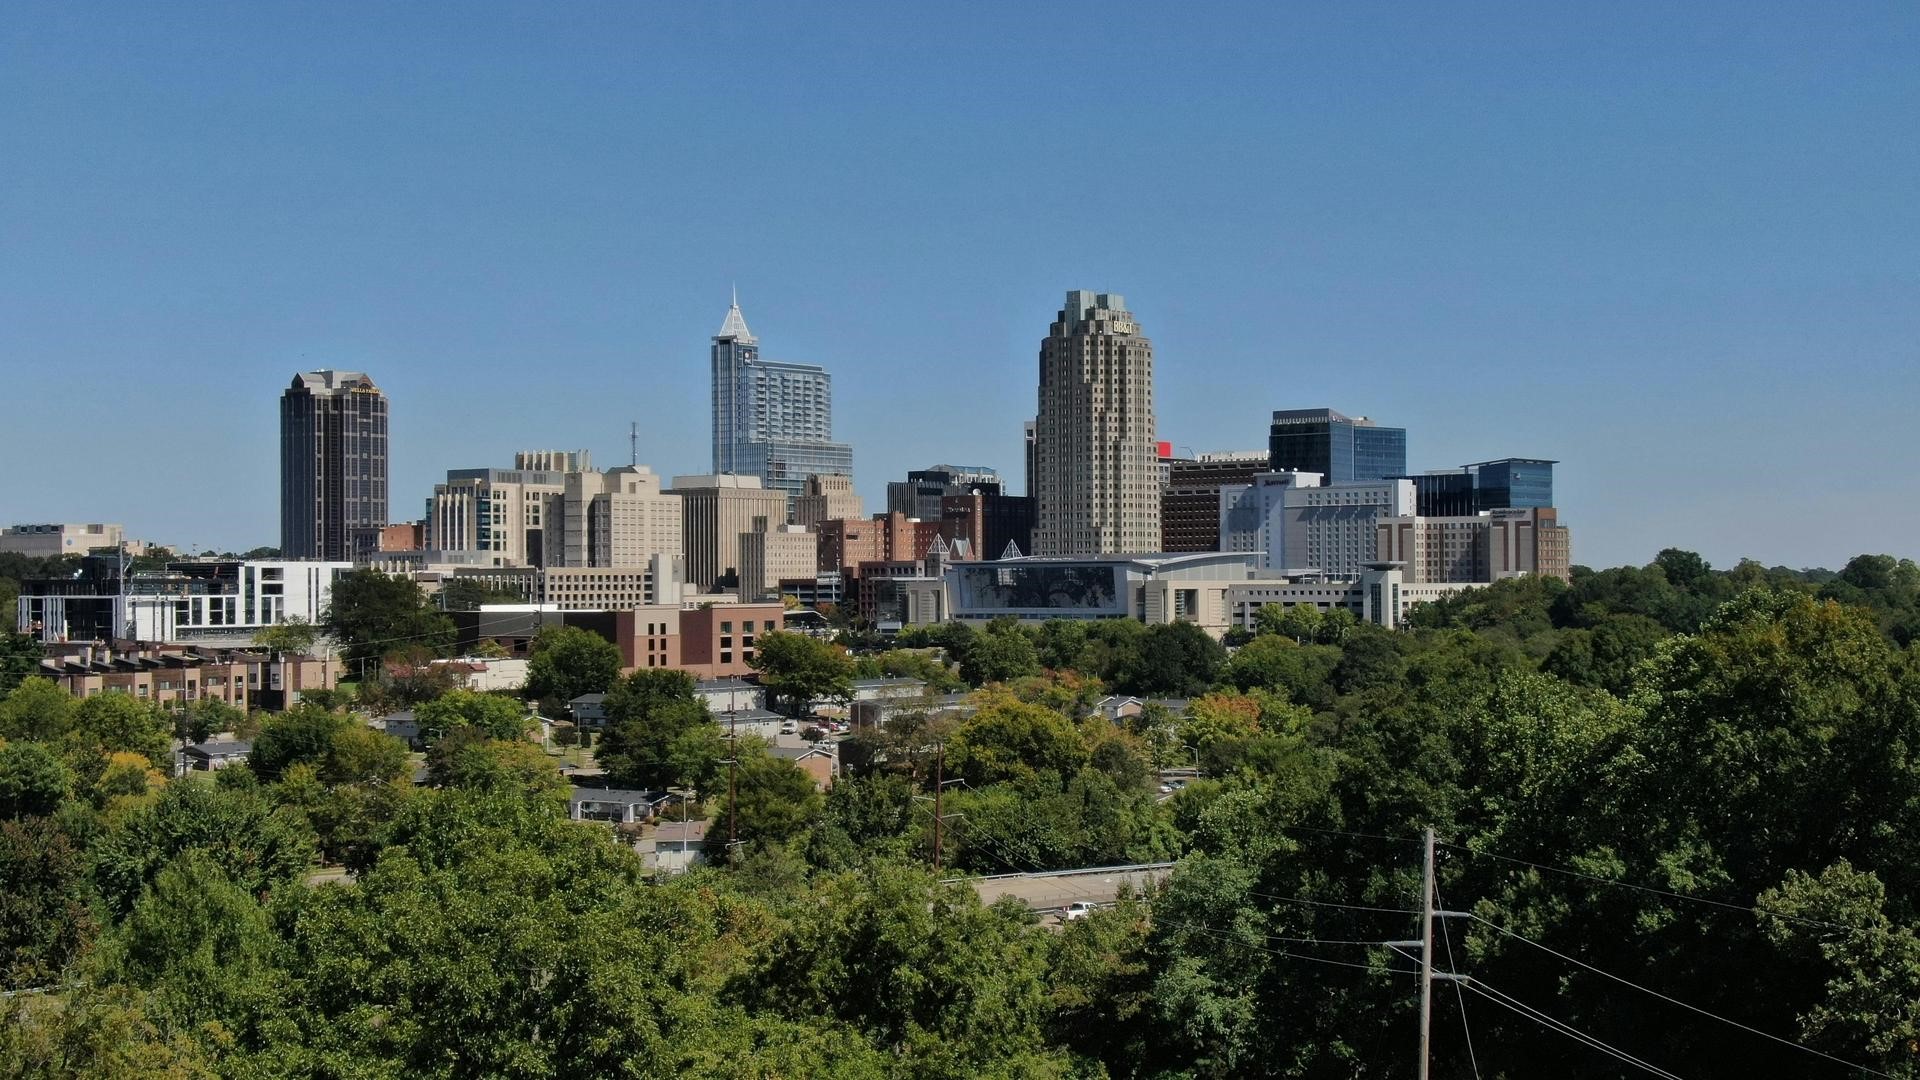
939 770
1428 891
733 762
1426 954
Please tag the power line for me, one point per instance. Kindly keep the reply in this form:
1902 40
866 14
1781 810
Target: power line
1676 1001
1554 1024
1751 909
1333 904
1460 995
1215 932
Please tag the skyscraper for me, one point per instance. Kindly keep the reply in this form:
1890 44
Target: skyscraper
1095 461
333 463
1344 449
771 419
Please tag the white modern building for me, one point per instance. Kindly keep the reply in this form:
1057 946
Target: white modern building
211 602
1294 520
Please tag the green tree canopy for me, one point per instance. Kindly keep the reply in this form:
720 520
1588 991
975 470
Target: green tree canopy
798 670
568 661
658 734
500 717
375 614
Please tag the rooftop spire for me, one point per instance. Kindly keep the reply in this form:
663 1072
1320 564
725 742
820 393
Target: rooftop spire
736 325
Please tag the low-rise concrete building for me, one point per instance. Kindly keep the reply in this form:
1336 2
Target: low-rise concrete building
42 541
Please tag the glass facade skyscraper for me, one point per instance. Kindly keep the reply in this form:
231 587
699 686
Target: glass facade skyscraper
1505 484
1342 449
771 419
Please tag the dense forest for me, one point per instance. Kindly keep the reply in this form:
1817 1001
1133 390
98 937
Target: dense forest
1678 814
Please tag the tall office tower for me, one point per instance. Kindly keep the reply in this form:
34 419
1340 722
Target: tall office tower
1095 457
827 498
920 493
715 511
1344 449
1190 505
771 419
333 463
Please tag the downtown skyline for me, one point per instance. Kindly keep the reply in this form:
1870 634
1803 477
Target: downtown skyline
1684 272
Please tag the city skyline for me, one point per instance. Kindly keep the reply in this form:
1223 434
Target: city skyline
1670 250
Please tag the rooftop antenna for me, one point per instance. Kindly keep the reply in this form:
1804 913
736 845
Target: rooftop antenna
633 443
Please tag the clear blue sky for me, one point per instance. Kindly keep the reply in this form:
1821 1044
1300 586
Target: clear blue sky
1678 250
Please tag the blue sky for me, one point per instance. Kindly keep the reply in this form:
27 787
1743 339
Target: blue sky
1678 250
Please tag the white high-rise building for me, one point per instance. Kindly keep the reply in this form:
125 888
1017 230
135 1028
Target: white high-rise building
1295 522
1095 462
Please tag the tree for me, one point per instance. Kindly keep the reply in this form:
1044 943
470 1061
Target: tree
466 758
258 847
1219 717
799 670
1275 663
20 655
109 722
774 799
499 717
374 614
43 902
206 717
33 780
36 709
1368 661
302 734
1059 643
199 943
567 661
361 756
1008 739
294 636
1171 660
1000 654
658 734
1295 621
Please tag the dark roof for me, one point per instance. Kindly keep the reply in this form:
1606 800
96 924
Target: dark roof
795 753
588 699
750 716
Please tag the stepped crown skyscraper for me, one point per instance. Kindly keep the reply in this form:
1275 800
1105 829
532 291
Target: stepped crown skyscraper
771 419
333 464
1095 463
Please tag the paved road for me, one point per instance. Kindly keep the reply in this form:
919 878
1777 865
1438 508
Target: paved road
1049 892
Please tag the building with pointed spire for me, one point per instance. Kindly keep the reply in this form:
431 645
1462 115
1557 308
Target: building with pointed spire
1095 472
771 419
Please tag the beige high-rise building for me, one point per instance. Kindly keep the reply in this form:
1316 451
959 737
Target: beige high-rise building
715 510
504 514
620 517
1095 462
826 498
1487 546
784 551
